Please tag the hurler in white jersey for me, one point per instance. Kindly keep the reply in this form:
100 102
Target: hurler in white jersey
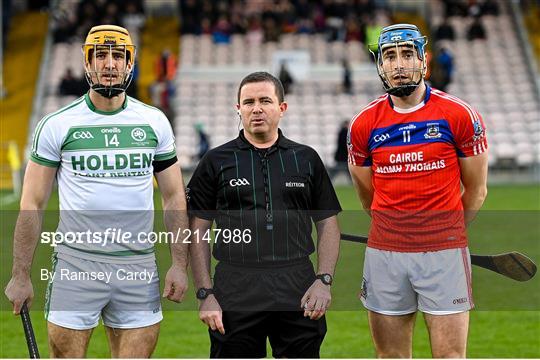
104 149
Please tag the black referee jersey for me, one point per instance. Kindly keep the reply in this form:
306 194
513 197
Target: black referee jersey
272 193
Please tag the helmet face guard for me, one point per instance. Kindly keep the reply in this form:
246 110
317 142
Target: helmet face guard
394 38
110 42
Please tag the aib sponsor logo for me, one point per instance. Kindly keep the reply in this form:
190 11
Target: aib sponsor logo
238 182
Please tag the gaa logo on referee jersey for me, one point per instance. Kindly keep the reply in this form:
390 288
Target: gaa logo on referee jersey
238 182
138 134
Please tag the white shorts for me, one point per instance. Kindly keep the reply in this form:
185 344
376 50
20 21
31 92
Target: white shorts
399 283
126 296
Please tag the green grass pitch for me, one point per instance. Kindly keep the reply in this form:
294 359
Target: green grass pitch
506 322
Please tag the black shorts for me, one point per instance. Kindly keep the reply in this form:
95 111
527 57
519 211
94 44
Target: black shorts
261 303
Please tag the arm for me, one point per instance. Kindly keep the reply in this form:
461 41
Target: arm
362 182
209 310
199 252
38 183
328 245
474 179
175 219
318 297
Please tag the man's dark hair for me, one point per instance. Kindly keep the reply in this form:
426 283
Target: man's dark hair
263 76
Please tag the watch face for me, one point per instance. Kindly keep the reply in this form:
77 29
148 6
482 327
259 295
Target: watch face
325 278
202 294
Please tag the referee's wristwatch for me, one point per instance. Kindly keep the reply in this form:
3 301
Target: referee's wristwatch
326 279
203 293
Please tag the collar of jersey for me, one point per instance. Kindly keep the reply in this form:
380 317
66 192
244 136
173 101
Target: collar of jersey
93 108
414 108
243 143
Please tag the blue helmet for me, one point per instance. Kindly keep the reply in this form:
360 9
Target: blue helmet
403 34
400 35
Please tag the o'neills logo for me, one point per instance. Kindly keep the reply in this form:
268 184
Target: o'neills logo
113 130
295 184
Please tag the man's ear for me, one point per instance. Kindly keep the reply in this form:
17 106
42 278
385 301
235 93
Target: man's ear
283 107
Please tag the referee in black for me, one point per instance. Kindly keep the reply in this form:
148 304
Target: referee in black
263 191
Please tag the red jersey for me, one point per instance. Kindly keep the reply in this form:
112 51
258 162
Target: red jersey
414 154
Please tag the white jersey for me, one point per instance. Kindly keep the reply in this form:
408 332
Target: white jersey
105 176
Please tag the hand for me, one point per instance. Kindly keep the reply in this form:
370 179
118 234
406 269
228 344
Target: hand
19 290
210 313
316 300
176 284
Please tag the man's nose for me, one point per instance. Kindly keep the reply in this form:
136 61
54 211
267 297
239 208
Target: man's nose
398 64
257 108
109 61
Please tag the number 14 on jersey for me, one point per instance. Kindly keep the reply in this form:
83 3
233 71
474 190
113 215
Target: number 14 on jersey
111 140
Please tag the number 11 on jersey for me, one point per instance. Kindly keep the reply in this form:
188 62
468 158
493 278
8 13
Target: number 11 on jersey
407 136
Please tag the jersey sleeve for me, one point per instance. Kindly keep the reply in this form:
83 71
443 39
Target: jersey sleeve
166 148
46 144
469 132
324 200
357 142
201 191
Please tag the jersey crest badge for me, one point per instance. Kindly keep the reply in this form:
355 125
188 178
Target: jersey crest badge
138 134
349 143
478 130
432 131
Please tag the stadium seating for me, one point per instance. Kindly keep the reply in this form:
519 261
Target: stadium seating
489 74
200 50
492 76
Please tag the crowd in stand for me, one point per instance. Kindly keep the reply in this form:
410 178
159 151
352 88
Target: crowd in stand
340 20
442 65
76 24
472 8
73 25
264 21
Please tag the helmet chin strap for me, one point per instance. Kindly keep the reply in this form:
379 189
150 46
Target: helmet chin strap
109 91
400 90
403 90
